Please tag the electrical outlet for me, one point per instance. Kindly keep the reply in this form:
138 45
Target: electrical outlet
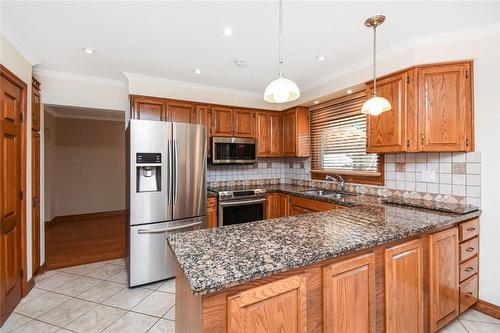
429 176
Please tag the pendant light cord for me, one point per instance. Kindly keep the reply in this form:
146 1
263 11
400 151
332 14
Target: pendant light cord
280 42
374 60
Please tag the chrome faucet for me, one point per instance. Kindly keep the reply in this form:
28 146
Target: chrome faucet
337 179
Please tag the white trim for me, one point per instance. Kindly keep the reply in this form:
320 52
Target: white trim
186 84
88 118
79 77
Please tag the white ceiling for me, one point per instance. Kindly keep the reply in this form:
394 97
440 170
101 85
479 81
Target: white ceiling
170 39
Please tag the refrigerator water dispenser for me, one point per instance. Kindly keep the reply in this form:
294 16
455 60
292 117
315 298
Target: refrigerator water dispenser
148 172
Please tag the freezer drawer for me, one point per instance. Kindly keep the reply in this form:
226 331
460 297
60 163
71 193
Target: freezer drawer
150 257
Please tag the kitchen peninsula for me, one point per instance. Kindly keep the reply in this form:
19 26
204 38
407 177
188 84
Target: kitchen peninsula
367 267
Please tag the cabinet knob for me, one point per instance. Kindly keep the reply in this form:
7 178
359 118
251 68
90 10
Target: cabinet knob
422 137
408 143
469 269
471 229
469 249
470 293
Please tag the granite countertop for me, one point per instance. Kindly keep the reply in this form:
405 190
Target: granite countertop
219 258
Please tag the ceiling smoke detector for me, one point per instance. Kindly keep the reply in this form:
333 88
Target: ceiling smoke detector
241 63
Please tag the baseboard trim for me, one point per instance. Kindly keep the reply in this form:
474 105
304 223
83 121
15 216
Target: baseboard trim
42 269
29 285
487 308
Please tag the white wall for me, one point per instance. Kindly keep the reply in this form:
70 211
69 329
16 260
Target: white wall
21 67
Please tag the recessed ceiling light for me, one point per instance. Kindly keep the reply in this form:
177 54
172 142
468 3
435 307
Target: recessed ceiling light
316 102
197 71
320 57
349 91
228 32
88 50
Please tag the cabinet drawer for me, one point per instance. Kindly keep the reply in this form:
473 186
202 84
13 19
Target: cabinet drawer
469 229
468 293
469 249
469 268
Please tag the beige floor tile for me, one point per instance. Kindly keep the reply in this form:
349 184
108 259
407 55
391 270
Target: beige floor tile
101 291
34 293
163 326
63 330
480 327
127 298
105 271
41 304
473 315
56 280
77 286
96 319
156 304
120 277
168 286
83 269
132 323
47 274
65 313
453 327
119 261
36 326
170 313
153 286
14 321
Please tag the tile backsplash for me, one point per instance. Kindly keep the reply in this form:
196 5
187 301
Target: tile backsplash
450 177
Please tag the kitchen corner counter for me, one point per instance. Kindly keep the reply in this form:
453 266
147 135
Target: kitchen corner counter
215 259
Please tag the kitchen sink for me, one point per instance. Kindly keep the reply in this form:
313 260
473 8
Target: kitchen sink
329 194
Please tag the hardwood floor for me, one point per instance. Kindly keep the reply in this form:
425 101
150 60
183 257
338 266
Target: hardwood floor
86 238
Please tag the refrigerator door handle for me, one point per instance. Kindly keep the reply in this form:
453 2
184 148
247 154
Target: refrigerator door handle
176 170
159 231
169 172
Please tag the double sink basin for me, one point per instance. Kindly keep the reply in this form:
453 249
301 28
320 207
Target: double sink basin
328 194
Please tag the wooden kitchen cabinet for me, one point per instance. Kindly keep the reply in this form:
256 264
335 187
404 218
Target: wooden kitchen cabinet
298 205
404 288
35 106
148 108
222 121
444 278
244 123
272 206
349 295
295 134
279 306
179 111
431 110
268 134
211 212
201 115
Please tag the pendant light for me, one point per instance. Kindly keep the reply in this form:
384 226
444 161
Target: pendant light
376 104
281 89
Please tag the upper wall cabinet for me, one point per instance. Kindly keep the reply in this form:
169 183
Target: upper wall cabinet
227 121
148 108
296 132
244 123
222 121
35 106
431 110
268 134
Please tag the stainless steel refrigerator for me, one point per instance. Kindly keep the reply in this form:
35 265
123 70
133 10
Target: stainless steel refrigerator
166 193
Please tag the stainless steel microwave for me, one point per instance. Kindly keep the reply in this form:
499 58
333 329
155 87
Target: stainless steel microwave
234 150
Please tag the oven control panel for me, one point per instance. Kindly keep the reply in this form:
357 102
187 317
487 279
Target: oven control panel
241 194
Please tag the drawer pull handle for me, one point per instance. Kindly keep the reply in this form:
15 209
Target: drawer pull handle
469 294
469 249
469 269
471 229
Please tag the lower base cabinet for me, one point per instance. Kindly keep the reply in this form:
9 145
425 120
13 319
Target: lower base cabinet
404 288
279 306
211 212
349 295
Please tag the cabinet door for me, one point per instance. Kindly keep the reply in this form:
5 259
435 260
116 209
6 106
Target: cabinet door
302 205
289 133
222 121
275 143
444 107
404 288
179 111
148 108
283 205
35 106
444 277
279 306
262 134
349 295
272 206
386 132
244 123
201 115
211 212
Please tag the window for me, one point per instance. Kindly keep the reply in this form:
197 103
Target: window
338 141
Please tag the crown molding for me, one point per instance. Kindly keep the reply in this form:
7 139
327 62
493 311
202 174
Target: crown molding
78 77
57 114
191 85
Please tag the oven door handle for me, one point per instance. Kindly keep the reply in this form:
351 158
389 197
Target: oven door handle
243 202
160 231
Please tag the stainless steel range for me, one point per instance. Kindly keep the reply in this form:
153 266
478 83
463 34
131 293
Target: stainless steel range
241 205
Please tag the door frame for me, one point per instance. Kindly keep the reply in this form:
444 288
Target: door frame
26 285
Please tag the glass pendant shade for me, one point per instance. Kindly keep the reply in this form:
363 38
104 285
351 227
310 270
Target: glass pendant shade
281 90
375 106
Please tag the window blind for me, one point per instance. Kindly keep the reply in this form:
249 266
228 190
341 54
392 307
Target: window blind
338 136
